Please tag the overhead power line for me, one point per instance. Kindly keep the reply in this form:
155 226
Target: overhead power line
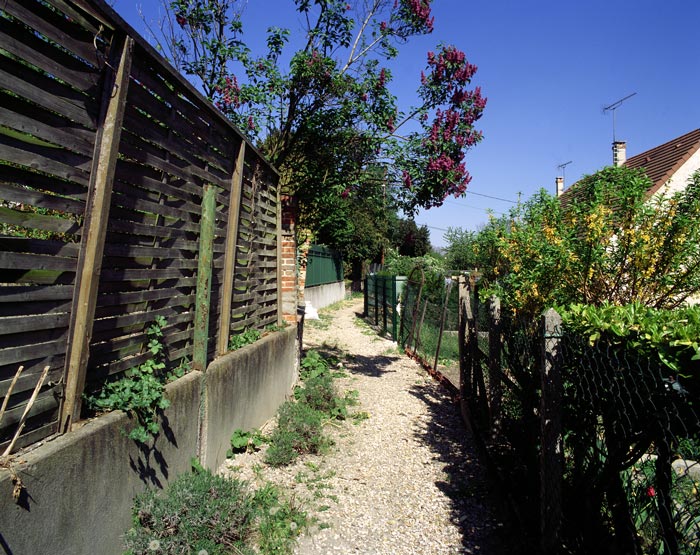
494 198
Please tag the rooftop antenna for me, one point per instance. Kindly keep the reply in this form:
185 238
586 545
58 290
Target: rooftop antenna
614 106
562 167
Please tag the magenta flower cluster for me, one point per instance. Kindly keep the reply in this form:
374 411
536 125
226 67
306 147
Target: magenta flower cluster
452 130
229 94
421 11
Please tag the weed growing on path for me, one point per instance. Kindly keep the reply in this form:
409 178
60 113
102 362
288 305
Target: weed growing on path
203 512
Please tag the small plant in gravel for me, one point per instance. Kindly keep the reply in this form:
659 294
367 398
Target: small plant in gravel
242 442
205 513
299 431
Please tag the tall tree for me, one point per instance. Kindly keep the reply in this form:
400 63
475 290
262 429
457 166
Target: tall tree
329 114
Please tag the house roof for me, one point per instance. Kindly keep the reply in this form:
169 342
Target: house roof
661 162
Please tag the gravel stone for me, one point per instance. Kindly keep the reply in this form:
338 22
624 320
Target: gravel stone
404 481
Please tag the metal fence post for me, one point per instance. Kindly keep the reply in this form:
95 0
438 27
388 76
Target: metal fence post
551 445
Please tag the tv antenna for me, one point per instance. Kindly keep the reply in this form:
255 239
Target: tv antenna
614 106
562 167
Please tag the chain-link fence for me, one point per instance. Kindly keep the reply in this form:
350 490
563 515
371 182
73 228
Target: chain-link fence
596 439
595 442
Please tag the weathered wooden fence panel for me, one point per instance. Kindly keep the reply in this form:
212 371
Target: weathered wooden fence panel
59 71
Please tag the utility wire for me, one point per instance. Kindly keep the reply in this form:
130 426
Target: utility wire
494 198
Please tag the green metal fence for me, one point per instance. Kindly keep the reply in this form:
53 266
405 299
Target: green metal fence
324 265
382 295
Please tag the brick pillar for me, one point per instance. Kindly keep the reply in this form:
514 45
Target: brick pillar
290 283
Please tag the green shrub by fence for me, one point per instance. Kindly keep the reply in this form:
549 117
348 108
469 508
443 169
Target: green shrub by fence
124 196
323 265
596 443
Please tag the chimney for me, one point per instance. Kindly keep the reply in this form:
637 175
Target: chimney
560 186
619 153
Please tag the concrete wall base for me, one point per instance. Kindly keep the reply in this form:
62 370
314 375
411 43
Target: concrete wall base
324 295
80 486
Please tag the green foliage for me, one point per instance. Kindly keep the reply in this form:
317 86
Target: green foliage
409 239
607 242
141 390
300 422
246 441
397 265
205 512
299 431
327 118
672 336
246 337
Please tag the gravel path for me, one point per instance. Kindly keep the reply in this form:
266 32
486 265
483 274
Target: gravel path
403 481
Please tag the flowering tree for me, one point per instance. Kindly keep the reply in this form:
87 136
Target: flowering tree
328 114
607 243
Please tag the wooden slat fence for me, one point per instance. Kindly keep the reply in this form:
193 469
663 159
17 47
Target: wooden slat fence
114 174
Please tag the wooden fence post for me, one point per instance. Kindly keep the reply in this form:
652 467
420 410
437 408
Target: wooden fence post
465 373
92 242
551 444
495 383
204 271
234 211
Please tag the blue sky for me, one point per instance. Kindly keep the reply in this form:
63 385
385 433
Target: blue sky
548 68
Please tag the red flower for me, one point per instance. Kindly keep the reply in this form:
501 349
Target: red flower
181 20
651 492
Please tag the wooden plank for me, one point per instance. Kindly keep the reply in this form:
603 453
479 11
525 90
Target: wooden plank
13 193
144 131
51 160
151 76
30 308
39 246
29 323
145 274
24 261
38 221
190 138
34 121
48 92
21 42
32 436
54 26
150 179
19 354
148 201
90 262
25 294
77 16
206 238
230 253
124 217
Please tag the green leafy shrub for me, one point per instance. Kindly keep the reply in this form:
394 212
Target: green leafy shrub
299 431
248 336
198 511
205 512
140 391
246 441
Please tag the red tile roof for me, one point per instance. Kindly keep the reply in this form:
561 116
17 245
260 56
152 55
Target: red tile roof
661 162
